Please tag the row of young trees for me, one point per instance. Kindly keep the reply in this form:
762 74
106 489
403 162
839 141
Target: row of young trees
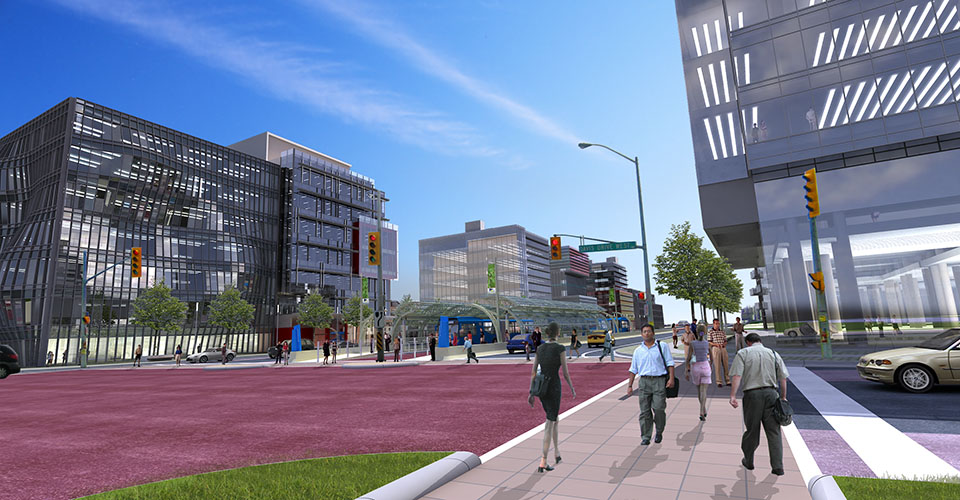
688 271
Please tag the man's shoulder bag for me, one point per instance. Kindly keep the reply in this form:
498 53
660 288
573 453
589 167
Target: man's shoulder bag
671 392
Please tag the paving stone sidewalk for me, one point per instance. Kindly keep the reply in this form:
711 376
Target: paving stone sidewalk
603 458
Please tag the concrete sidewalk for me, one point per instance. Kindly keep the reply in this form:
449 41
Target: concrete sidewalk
603 458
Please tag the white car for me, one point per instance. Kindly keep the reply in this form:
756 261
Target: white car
212 354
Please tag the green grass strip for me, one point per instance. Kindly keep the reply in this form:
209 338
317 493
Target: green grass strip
345 477
859 488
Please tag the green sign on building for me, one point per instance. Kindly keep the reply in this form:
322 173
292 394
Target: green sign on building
491 278
606 247
364 288
613 297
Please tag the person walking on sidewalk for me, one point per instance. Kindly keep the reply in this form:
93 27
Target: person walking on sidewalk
433 347
574 344
223 354
178 354
333 351
137 354
763 376
49 358
550 360
675 338
607 346
468 346
698 366
738 334
718 351
895 324
653 363
326 351
396 349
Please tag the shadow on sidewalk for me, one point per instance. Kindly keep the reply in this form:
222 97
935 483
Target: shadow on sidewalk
521 491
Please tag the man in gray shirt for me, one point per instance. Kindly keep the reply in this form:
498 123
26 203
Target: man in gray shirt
764 377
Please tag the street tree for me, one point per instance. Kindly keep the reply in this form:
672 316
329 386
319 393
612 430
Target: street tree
231 312
314 312
680 266
406 304
722 291
355 311
157 309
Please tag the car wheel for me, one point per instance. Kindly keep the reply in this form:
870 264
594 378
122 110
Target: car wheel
229 358
509 351
3 372
203 359
915 378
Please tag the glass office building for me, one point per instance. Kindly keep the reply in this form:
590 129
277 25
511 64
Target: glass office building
864 91
85 178
453 268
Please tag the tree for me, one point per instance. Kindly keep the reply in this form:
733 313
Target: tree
354 311
721 290
314 312
157 309
406 304
230 312
680 266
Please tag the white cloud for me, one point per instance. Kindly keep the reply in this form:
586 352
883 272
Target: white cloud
292 73
392 36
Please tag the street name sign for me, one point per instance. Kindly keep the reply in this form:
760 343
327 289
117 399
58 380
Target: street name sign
606 247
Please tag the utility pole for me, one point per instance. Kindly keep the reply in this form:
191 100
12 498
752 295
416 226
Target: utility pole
813 210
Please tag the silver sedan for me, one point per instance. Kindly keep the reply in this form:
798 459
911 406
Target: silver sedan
212 354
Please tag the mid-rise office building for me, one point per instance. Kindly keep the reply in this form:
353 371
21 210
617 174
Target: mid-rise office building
83 179
570 277
611 275
865 92
453 268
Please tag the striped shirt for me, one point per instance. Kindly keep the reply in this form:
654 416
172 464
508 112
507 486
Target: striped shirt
718 338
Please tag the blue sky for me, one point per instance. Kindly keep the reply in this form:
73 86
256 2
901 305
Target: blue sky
460 110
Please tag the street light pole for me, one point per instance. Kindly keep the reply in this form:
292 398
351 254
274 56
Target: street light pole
648 298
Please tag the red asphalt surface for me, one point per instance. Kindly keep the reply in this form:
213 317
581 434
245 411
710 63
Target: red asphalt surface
70 434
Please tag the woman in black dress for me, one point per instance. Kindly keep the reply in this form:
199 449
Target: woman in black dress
550 358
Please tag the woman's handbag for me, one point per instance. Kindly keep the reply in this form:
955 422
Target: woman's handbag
538 386
671 392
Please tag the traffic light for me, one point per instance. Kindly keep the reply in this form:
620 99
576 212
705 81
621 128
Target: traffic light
86 319
135 255
816 280
642 295
555 252
373 244
812 197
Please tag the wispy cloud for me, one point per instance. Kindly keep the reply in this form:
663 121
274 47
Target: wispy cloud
291 72
392 36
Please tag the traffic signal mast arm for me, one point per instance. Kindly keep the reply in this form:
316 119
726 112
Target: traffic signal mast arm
582 238
124 261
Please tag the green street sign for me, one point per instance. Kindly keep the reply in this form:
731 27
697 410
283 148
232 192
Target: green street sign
606 247
491 276
613 297
364 288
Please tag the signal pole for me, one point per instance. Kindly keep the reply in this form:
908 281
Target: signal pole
813 210
380 287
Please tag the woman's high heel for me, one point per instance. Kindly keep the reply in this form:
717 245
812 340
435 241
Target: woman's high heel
547 468
558 461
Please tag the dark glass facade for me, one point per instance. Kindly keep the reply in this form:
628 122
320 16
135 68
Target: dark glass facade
864 91
85 178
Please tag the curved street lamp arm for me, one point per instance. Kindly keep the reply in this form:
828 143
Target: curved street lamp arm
585 145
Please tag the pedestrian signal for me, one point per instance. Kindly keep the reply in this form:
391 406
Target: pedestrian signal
817 281
555 252
135 255
373 245
812 196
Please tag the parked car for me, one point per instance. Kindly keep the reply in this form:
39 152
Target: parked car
916 369
596 338
9 361
516 343
212 354
305 345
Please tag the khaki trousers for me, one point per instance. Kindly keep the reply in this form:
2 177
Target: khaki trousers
720 360
653 405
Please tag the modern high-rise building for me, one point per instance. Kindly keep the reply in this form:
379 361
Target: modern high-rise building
453 268
570 277
865 92
611 275
85 180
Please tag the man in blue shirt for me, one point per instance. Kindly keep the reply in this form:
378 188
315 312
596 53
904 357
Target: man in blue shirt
653 363
468 346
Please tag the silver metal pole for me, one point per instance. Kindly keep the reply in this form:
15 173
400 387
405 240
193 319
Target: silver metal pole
648 299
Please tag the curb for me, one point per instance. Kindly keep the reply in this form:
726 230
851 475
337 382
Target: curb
422 481
360 365
824 487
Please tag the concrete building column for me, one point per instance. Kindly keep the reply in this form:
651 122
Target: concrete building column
950 305
956 278
912 302
879 310
893 304
851 306
798 275
932 311
867 306
830 290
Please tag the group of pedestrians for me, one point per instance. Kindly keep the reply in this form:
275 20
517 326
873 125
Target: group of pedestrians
759 371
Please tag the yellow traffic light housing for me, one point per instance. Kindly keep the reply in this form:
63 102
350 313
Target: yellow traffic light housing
135 256
86 320
816 280
373 246
812 196
555 252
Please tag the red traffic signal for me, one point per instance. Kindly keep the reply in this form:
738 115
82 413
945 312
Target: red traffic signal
135 256
642 295
555 251
373 246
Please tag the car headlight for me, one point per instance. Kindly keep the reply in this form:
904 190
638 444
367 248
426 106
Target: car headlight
881 362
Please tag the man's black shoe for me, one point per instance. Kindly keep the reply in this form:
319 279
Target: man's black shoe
645 442
778 472
743 461
658 438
